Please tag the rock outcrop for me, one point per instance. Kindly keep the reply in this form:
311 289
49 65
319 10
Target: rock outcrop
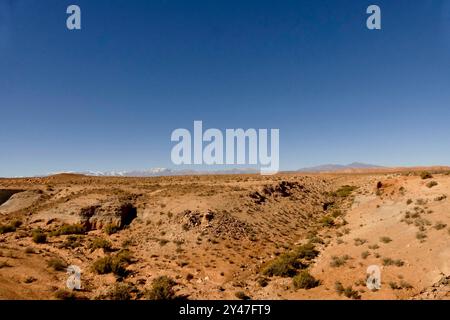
113 213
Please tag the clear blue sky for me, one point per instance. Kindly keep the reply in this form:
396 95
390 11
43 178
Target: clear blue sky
108 97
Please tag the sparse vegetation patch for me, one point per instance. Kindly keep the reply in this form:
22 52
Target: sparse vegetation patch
304 280
162 289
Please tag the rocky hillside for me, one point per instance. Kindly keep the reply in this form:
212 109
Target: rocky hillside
287 236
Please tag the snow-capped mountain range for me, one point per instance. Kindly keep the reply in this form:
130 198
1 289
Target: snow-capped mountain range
135 173
339 167
157 172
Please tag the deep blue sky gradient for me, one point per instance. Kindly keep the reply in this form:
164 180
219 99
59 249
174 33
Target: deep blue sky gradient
108 97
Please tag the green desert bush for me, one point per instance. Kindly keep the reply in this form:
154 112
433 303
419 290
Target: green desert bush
402 285
394 285
57 264
421 235
385 239
304 280
103 265
11 227
439 225
39 236
110 229
161 289
69 229
124 255
6 228
425 175
392 262
120 291
346 291
16 223
359 241
431 184
107 265
344 191
287 264
100 243
115 264
71 242
306 251
327 221
440 198
339 261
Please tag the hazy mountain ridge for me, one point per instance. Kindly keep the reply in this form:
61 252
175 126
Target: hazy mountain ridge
339 167
159 172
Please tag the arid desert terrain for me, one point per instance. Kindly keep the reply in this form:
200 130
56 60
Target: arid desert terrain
287 236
